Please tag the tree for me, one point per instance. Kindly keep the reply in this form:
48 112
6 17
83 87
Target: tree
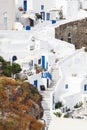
1 59
38 16
8 69
61 13
15 68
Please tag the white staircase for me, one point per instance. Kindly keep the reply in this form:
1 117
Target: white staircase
46 98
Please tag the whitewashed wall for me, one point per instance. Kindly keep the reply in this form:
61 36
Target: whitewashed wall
84 4
71 71
7 10
41 81
72 100
72 8
37 5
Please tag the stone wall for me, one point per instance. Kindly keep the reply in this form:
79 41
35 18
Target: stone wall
74 32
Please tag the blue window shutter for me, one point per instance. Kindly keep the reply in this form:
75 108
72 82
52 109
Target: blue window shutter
25 5
43 62
36 83
85 87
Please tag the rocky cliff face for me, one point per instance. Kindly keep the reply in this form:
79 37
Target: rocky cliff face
20 105
73 32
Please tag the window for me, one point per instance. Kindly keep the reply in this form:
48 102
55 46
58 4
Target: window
36 83
42 7
42 87
53 100
14 58
61 38
69 34
39 61
66 86
5 19
69 37
85 87
48 16
31 63
43 15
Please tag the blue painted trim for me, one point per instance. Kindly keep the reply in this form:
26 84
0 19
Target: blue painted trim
46 75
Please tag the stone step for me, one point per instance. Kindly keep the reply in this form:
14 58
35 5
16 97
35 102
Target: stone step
46 98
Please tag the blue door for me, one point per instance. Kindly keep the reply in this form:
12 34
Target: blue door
25 5
48 16
43 62
43 15
36 83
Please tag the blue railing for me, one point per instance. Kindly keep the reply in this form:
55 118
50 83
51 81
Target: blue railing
46 75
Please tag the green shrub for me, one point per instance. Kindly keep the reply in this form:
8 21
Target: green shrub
58 105
38 16
68 110
78 105
58 114
66 116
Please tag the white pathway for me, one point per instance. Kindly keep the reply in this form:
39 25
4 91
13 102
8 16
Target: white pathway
46 102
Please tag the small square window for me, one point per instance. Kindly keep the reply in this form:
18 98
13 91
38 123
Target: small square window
39 61
66 86
42 7
85 87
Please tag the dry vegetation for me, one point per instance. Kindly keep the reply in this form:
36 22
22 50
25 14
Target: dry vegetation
20 106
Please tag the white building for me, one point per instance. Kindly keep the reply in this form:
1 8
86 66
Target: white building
41 7
72 86
84 4
44 8
7 14
50 11
72 8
